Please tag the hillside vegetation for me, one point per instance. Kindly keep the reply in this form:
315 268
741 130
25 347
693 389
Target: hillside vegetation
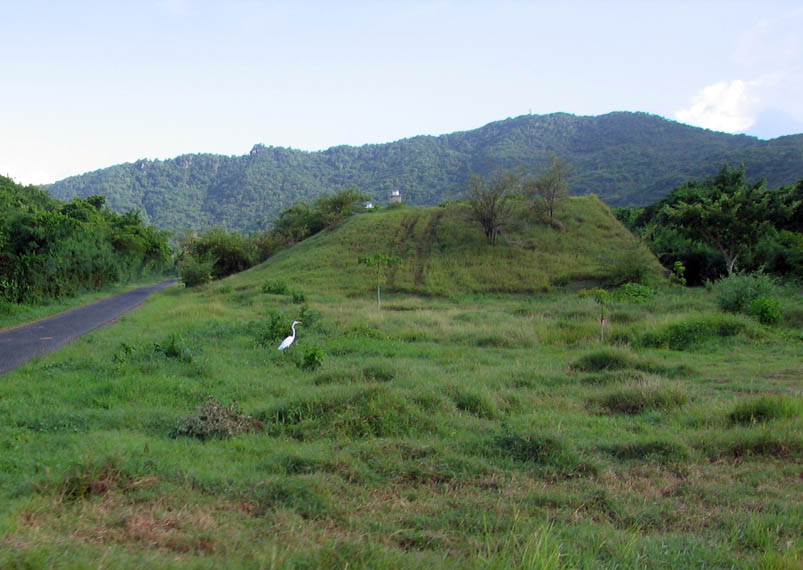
627 159
482 419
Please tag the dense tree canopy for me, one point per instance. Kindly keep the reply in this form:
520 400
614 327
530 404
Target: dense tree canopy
723 224
51 249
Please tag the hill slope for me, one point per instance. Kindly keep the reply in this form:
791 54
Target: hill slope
444 253
627 159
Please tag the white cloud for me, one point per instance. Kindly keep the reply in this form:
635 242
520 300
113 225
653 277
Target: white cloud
727 106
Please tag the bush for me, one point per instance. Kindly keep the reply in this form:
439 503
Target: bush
270 330
196 272
214 420
634 266
734 294
634 293
765 309
313 359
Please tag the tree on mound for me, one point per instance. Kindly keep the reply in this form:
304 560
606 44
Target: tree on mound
550 187
491 200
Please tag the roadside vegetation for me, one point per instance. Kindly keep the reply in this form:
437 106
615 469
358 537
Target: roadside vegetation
52 250
476 419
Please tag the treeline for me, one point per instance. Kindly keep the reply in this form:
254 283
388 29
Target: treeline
626 159
722 225
51 249
218 253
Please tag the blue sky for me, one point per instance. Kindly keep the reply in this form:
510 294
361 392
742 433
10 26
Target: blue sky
84 85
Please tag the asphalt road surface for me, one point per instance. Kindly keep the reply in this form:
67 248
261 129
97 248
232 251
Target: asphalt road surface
20 344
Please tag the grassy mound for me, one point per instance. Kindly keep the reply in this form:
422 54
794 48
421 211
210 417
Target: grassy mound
445 253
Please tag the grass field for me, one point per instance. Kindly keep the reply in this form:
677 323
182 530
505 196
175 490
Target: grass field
465 425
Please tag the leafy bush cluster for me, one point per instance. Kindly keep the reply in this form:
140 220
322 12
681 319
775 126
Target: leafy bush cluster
735 293
750 294
51 249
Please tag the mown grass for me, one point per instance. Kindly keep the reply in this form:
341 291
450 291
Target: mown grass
468 430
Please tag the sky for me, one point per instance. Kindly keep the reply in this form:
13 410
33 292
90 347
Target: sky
85 85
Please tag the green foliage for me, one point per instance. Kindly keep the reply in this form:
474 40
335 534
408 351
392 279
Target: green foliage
766 310
313 359
678 271
634 265
50 250
215 420
735 293
634 293
711 226
194 272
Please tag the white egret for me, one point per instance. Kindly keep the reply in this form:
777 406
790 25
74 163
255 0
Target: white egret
289 340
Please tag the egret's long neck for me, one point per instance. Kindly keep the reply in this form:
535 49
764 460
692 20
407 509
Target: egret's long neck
294 329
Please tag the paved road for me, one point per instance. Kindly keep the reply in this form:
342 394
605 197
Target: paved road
20 344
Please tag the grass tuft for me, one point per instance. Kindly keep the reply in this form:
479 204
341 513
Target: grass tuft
641 397
766 408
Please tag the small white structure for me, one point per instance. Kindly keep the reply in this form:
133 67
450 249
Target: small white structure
369 205
395 197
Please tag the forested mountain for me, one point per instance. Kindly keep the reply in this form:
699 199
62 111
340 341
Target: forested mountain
627 159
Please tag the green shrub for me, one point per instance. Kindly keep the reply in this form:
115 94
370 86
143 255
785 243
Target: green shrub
764 409
734 293
766 310
270 330
215 420
313 359
196 272
634 266
298 297
634 293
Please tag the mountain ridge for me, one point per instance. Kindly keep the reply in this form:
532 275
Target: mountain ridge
626 158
